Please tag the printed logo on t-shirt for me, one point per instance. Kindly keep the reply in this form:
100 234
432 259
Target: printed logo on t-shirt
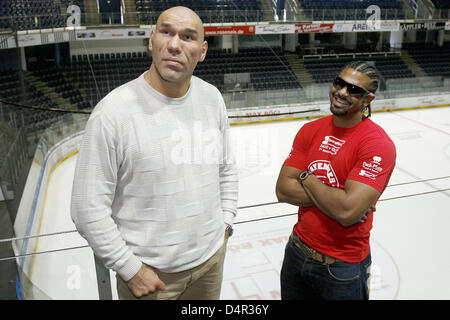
372 168
323 170
331 145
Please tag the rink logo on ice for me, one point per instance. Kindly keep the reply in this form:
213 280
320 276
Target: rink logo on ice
331 145
323 170
384 281
73 281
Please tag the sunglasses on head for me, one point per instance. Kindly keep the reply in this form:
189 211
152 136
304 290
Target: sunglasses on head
352 89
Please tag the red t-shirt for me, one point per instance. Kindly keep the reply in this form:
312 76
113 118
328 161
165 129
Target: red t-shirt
364 153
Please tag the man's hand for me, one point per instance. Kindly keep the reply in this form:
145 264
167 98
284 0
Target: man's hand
289 189
145 281
227 234
372 209
347 206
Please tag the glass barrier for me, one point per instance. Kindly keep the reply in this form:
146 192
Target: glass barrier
53 261
57 269
409 87
394 88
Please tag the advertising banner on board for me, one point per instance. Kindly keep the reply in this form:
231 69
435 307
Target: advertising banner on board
275 29
229 30
314 28
102 34
366 26
422 26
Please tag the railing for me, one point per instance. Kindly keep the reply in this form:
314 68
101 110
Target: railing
443 14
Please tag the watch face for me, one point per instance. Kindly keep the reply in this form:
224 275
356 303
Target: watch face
304 175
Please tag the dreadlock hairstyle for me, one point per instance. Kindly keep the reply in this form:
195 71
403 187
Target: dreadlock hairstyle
370 71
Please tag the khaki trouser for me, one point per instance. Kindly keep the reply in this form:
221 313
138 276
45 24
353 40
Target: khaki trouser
200 283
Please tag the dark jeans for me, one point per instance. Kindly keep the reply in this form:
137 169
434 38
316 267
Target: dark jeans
305 278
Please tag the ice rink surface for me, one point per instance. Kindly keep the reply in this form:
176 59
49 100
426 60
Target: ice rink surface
410 239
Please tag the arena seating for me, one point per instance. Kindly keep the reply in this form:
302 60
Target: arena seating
32 14
208 10
268 68
10 90
434 60
324 68
441 4
332 10
28 14
110 70
55 79
85 79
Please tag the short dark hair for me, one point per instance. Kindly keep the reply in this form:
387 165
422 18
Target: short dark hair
369 70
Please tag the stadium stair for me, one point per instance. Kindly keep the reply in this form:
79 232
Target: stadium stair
266 7
48 91
130 12
300 71
62 6
300 15
430 8
92 14
407 9
412 65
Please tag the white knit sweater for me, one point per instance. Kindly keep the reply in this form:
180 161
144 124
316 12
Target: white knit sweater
155 179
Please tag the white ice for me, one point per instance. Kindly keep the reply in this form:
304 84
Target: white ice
410 238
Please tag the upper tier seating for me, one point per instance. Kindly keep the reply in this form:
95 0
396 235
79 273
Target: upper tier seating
208 10
441 4
35 14
332 10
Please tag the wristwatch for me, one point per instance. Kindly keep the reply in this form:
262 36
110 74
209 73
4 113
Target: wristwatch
304 175
230 230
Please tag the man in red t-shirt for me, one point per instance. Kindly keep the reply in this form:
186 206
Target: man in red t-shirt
338 167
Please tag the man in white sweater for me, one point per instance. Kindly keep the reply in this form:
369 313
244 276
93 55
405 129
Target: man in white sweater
156 185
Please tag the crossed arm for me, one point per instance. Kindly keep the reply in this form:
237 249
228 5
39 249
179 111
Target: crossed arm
347 206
